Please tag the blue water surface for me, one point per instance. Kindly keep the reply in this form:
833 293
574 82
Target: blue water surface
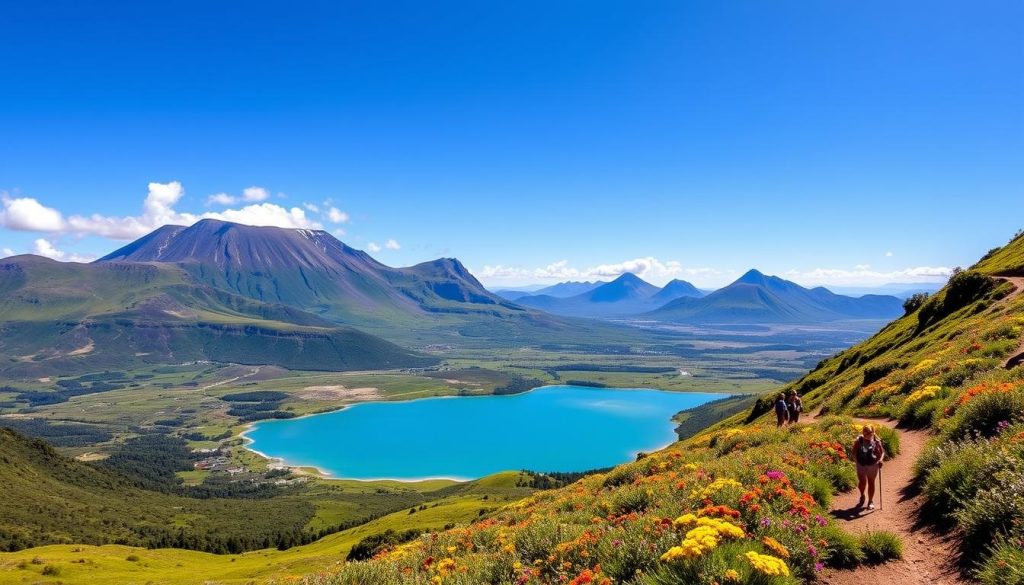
554 428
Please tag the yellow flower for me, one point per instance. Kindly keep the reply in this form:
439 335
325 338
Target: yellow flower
672 554
731 575
775 546
767 564
717 485
685 520
924 393
923 364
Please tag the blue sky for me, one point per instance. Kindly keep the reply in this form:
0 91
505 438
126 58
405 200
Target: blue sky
837 143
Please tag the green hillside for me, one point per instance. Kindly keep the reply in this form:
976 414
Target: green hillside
59 318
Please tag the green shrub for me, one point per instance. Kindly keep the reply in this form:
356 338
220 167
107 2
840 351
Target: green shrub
843 550
631 499
953 477
879 546
983 414
890 440
842 476
1004 565
998 509
51 570
132 558
821 487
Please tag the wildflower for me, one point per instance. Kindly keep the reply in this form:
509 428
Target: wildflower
775 546
731 575
767 564
925 393
922 365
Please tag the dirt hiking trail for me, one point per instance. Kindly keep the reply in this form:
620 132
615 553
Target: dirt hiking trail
928 557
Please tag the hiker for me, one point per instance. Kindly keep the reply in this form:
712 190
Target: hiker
794 405
781 410
869 454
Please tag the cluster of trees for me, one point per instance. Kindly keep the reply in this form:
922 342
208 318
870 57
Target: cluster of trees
257 405
375 543
518 384
555 479
61 435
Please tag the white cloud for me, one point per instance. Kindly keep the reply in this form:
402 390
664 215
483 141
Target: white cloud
863 275
648 268
888 254
221 199
862 267
312 207
253 194
27 214
44 247
249 195
338 232
392 245
7 252
48 249
158 210
336 215
266 214
374 248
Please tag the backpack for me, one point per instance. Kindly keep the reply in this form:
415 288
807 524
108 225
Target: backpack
865 452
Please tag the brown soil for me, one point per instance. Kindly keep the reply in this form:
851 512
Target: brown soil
928 556
337 392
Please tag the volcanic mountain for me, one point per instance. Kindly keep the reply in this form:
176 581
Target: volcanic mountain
757 298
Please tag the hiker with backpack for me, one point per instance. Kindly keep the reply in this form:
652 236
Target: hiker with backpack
868 453
794 406
781 410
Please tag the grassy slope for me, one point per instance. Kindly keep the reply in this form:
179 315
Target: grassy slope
109 564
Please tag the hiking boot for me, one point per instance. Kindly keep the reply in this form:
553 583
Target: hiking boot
871 505
860 502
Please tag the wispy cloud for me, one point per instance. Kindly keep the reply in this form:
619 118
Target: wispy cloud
373 248
392 245
336 215
249 195
864 275
648 268
48 249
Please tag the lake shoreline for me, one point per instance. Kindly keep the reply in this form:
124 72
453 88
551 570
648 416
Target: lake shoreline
325 473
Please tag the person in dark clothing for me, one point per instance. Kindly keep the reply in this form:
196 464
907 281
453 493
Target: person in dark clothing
794 406
869 455
781 410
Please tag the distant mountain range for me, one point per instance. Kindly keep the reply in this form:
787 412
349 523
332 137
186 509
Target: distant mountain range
560 290
753 298
757 298
626 295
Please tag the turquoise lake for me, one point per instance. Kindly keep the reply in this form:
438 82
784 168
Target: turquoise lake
553 428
